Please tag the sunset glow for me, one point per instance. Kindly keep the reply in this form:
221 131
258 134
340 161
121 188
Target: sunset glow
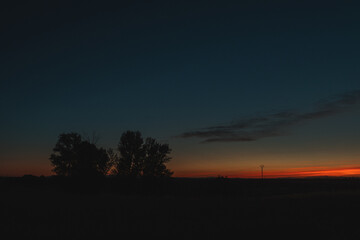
285 173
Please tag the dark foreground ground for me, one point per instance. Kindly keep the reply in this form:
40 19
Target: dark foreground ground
34 208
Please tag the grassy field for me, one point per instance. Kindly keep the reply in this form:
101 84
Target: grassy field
184 209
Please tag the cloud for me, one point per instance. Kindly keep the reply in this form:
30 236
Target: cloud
274 124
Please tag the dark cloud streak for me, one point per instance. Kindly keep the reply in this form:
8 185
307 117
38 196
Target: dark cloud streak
275 124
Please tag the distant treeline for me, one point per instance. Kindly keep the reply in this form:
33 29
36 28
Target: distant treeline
74 156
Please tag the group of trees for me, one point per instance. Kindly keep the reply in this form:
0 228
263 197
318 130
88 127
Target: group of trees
74 156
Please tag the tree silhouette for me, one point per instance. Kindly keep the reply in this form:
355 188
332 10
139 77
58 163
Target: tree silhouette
87 156
141 159
74 157
131 154
64 156
156 155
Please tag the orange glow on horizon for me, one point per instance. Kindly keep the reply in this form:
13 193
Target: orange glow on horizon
286 173
14 171
18 169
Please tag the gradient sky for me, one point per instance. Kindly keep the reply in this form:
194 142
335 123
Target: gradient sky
229 85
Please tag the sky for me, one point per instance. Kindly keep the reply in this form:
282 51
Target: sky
229 85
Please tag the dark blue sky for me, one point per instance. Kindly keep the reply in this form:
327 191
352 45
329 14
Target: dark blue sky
173 67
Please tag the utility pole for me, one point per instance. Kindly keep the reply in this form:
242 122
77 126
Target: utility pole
262 171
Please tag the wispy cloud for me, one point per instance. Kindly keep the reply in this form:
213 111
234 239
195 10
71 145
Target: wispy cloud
274 124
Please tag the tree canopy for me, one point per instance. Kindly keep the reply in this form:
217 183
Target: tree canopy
156 155
73 156
131 151
139 158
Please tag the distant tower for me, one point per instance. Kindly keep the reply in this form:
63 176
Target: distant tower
262 171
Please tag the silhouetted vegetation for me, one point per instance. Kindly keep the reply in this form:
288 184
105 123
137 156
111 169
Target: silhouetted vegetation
139 158
132 154
75 157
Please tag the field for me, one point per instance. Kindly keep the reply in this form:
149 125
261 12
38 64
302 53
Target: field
180 208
